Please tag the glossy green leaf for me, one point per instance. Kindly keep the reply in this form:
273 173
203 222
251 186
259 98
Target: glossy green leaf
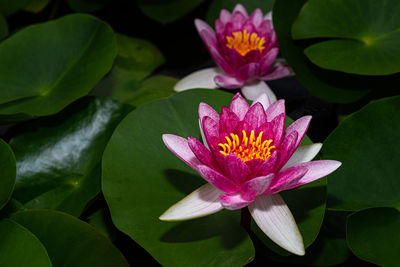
250 5
19 247
8 173
8 7
142 178
356 36
307 204
165 11
35 6
69 241
101 220
328 85
373 235
88 5
51 79
58 158
366 143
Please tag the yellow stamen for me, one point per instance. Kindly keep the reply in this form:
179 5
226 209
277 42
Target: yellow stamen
247 148
244 42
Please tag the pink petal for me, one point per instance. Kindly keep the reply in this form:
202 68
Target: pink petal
201 202
198 79
257 186
228 82
233 167
275 109
239 106
216 55
257 88
255 117
217 179
203 26
224 16
287 148
268 60
286 178
241 9
203 137
227 121
264 100
278 126
300 126
248 72
211 131
268 166
200 151
274 218
277 73
257 17
234 201
268 16
303 154
316 170
206 110
179 146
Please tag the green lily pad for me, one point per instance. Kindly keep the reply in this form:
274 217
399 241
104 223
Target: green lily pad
101 220
142 178
373 235
165 11
69 241
328 85
10 7
365 142
3 28
364 36
7 177
19 247
35 6
250 5
88 5
51 79
58 158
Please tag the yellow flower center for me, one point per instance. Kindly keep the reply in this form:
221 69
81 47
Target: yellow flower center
244 42
248 148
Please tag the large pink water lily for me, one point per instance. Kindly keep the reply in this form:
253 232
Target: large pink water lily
244 48
247 158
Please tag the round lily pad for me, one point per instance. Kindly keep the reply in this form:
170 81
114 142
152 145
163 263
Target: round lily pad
365 142
7 176
142 178
355 36
52 79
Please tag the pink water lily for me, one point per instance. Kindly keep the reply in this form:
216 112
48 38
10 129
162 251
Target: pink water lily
244 48
247 158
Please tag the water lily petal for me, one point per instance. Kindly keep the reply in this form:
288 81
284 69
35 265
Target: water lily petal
200 151
248 72
203 26
201 202
206 110
257 17
285 179
278 126
275 109
277 73
211 131
300 126
227 121
228 82
203 137
268 16
239 106
234 201
287 147
255 117
198 79
240 8
179 146
268 59
233 167
316 170
258 185
217 179
224 16
263 99
255 89
303 154
274 218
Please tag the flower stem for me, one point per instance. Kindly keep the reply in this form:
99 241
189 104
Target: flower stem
245 219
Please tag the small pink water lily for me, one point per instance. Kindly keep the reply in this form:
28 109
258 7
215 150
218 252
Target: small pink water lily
247 158
244 48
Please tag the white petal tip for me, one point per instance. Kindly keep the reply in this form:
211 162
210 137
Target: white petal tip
198 79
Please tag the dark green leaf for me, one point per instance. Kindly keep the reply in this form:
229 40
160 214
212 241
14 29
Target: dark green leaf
250 5
328 85
142 178
8 7
364 35
366 143
8 173
88 5
101 220
69 241
58 158
3 28
35 6
19 247
51 80
165 11
373 235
